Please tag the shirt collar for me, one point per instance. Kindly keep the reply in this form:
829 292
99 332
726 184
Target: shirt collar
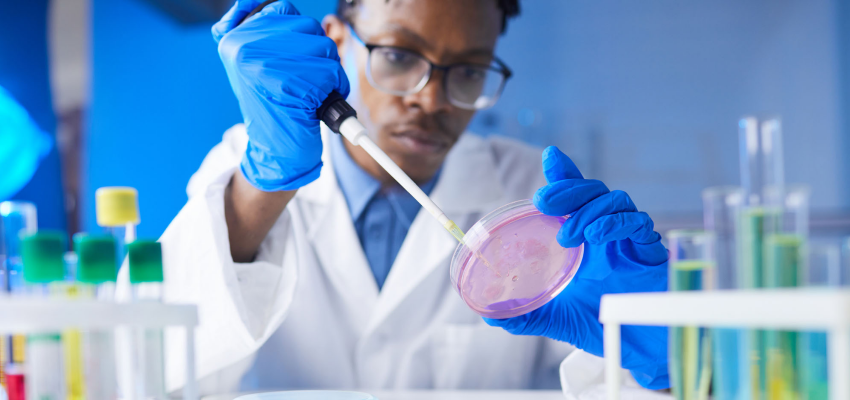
358 187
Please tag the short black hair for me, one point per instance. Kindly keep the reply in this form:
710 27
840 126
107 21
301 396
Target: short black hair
510 9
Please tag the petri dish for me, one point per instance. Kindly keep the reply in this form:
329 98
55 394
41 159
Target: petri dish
308 395
511 263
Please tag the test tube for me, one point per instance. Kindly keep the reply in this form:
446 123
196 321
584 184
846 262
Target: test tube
786 234
43 272
691 268
117 210
823 270
145 260
17 219
762 179
96 276
731 373
72 339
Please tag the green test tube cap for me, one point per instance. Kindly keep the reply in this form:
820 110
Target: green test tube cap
145 261
43 257
96 256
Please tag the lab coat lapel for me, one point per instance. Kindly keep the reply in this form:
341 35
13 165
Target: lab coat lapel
467 188
333 237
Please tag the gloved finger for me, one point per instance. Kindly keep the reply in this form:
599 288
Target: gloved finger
571 233
231 19
328 75
280 16
567 196
241 47
515 325
534 323
557 166
637 226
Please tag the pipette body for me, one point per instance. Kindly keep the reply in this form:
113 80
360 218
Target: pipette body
356 133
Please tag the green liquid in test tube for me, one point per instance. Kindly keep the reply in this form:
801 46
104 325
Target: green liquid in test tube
782 268
751 253
691 268
763 182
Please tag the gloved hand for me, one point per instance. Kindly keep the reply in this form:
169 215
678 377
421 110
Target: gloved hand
622 254
22 146
281 67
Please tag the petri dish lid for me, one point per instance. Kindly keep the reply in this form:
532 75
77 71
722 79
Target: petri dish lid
308 395
511 263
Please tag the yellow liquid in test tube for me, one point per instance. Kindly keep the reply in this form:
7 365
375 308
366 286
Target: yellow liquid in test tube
72 344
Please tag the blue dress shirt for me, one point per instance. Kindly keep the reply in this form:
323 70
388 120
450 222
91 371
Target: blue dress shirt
382 216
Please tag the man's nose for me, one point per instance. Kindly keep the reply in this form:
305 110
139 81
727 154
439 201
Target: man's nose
433 97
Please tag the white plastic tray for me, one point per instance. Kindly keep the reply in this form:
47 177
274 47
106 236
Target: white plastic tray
797 309
41 315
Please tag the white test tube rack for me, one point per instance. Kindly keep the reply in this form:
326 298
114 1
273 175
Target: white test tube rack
787 309
22 316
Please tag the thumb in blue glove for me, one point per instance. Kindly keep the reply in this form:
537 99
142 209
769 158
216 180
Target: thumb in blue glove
622 254
281 67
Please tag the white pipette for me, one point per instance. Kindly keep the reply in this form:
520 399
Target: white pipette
342 117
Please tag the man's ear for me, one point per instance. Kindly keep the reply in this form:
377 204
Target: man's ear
335 29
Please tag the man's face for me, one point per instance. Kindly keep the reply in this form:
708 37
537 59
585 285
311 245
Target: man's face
416 130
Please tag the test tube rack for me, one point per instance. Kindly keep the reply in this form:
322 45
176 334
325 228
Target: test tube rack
788 309
22 316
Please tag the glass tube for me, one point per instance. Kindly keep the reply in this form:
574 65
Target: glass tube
99 351
17 219
762 179
72 339
824 270
786 234
150 353
731 372
691 268
96 276
44 275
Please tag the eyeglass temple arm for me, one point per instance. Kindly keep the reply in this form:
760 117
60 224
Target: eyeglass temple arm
334 110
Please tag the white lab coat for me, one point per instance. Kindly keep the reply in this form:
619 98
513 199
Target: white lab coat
307 312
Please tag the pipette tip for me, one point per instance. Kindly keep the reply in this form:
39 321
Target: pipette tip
454 230
459 235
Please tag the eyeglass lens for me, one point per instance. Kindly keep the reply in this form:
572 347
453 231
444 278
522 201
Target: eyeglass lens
403 72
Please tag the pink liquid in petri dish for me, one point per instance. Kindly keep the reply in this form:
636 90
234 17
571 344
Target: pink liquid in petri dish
530 266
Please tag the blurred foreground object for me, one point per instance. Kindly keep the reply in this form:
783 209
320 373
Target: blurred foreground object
193 11
22 146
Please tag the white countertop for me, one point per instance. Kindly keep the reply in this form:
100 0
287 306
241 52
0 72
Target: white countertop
471 395
445 395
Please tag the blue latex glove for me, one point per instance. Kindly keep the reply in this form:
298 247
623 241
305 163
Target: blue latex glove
22 146
281 67
622 254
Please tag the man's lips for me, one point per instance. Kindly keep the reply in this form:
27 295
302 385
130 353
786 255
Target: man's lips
419 141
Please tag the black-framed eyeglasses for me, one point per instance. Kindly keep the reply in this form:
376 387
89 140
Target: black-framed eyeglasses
402 72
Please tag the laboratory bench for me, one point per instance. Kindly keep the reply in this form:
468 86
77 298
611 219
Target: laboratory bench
444 395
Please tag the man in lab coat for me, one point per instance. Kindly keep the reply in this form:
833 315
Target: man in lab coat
313 269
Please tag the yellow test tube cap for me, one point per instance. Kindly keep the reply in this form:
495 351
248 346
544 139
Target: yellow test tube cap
117 206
